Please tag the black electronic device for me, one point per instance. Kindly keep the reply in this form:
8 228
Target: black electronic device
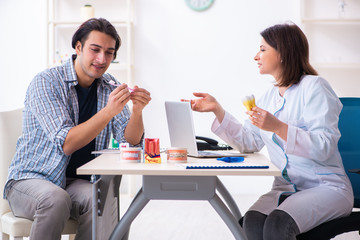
205 143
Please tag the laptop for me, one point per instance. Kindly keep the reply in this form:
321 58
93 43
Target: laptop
182 133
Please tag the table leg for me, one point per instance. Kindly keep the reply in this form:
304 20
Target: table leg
126 236
196 188
183 188
228 218
228 199
135 208
94 208
105 206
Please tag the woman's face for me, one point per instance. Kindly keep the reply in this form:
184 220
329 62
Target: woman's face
268 60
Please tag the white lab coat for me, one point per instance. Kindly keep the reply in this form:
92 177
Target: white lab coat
310 161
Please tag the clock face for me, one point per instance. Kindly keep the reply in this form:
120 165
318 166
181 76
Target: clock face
199 5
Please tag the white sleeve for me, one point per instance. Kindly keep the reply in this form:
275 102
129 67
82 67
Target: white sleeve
319 134
245 138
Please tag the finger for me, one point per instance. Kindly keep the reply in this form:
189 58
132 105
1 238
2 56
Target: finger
122 95
252 113
253 120
122 86
197 94
124 98
258 110
256 122
192 102
140 100
141 94
118 89
121 101
257 114
141 91
143 102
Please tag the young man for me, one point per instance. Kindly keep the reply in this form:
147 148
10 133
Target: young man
70 111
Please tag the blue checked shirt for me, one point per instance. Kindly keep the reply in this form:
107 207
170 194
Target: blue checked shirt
51 110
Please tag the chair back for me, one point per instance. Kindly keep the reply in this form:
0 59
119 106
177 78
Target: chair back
10 130
349 143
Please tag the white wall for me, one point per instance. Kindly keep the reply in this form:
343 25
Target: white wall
177 51
22 48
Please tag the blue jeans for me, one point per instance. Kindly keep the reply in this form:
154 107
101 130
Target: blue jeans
278 225
50 206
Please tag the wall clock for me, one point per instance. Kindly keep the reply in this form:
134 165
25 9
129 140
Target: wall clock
199 5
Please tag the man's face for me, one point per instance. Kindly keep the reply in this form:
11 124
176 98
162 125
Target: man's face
94 57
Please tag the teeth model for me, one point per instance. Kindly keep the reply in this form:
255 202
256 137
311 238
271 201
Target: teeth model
249 102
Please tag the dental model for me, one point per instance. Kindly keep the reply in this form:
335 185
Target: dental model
249 102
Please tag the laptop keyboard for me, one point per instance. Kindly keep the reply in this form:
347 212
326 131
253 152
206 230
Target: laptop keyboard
213 153
206 153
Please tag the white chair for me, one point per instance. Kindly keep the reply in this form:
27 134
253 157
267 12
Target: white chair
11 226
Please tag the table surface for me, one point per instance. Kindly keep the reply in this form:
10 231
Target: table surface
110 164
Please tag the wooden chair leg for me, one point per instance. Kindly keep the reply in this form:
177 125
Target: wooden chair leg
72 236
4 236
17 238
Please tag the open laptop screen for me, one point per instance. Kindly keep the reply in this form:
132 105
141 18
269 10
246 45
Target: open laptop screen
182 133
181 126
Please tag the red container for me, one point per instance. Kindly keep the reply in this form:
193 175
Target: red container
152 150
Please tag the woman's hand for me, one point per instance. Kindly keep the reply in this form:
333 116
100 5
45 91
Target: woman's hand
206 103
267 122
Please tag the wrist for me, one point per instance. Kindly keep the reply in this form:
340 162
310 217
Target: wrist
136 112
282 130
219 112
106 113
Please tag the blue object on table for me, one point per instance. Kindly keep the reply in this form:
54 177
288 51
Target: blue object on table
231 159
225 167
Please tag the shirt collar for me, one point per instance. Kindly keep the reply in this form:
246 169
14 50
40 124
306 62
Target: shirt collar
69 71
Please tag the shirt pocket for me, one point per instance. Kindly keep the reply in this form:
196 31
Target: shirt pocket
329 170
331 176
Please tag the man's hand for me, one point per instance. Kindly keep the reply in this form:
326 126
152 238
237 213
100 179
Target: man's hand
140 98
83 133
135 128
118 99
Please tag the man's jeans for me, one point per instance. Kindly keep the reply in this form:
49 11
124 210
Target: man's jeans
50 206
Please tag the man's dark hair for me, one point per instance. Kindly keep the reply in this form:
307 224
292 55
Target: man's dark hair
293 47
96 24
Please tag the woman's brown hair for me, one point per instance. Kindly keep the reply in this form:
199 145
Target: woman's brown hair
293 47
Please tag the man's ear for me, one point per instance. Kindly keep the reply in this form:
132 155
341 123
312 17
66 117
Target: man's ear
78 47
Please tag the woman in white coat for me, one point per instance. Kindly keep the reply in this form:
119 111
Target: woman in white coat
297 120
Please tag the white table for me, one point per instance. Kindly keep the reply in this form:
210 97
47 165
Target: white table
174 182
